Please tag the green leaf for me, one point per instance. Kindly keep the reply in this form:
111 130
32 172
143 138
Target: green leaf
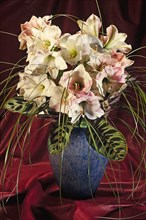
19 105
107 140
60 138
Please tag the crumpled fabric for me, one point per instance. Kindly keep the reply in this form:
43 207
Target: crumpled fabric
28 190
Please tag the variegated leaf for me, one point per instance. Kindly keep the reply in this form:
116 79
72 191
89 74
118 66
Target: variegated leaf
108 141
19 105
60 138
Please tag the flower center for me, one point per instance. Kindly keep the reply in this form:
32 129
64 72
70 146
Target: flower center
77 86
46 44
41 87
73 53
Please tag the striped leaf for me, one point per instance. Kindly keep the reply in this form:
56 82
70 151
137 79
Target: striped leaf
60 138
19 105
107 140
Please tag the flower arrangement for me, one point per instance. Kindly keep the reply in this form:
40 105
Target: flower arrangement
75 79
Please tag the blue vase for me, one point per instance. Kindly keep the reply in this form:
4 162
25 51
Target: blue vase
79 169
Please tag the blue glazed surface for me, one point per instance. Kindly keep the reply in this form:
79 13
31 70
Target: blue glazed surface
82 167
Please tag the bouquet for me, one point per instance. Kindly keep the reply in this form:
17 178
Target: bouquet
76 79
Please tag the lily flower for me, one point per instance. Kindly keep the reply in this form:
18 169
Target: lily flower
115 40
55 63
29 28
31 87
71 48
61 100
50 62
122 59
77 81
91 105
45 41
109 77
91 26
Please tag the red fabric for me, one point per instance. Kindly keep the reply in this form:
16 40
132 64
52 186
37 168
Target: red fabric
28 188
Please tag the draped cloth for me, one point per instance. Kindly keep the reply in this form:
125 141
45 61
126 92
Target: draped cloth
28 187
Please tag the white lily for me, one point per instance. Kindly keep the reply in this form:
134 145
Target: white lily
31 87
91 105
116 41
122 59
61 100
71 48
76 71
116 78
44 40
55 63
91 26
32 27
38 61
99 82
77 81
50 62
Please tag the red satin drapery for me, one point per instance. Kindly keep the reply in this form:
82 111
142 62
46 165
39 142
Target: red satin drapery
28 188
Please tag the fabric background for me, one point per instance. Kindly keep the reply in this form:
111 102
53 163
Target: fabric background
28 187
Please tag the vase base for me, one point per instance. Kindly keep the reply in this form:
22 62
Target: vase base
77 196
79 169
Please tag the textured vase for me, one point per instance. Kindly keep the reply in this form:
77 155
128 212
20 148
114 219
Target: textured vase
79 168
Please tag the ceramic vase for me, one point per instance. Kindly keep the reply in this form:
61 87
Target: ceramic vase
79 168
